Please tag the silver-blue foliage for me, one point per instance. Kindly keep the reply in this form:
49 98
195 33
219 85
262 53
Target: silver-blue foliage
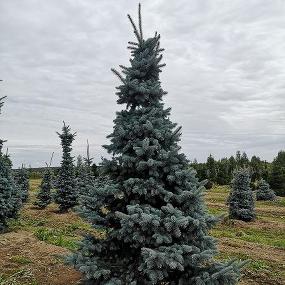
66 188
151 212
241 200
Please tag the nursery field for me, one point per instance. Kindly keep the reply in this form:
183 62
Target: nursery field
31 253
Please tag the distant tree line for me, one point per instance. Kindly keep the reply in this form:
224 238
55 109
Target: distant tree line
221 171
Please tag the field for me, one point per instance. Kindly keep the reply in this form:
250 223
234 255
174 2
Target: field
32 252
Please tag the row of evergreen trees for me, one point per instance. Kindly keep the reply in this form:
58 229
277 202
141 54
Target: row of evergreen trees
148 202
70 182
222 171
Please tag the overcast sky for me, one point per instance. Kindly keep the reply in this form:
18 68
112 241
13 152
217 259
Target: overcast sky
225 73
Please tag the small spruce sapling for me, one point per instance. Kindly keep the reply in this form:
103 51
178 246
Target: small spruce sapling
241 201
264 192
22 181
44 197
66 192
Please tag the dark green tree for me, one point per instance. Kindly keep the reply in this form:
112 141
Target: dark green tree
244 161
211 169
153 213
232 165
241 201
223 172
256 168
66 188
277 175
44 197
264 192
22 181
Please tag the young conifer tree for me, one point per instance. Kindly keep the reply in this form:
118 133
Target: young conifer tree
153 213
22 181
66 194
241 201
44 197
264 192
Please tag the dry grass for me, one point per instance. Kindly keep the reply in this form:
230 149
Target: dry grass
31 253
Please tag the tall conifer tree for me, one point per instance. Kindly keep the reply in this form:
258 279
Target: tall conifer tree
277 175
153 212
211 169
241 201
66 194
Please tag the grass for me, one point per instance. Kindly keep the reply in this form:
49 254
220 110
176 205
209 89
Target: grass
255 265
261 242
20 259
274 237
57 237
19 277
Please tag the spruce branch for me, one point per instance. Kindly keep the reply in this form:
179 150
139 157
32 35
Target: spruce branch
51 159
140 22
117 73
135 29
131 48
133 43
176 132
123 67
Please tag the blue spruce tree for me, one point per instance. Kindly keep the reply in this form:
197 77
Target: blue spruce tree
10 200
44 197
241 201
153 214
22 181
264 192
66 194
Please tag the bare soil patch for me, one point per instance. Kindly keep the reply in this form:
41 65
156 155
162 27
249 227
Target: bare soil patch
38 261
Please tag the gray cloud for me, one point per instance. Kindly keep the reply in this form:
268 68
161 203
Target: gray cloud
225 73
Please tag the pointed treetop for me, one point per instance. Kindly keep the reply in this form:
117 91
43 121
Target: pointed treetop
139 34
66 129
88 159
50 162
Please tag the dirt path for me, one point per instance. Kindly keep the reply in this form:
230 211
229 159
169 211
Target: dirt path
23 255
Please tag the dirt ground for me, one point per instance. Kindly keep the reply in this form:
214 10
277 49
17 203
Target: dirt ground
30 261
32 252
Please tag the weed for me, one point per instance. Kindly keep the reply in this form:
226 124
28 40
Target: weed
20 259
56 237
